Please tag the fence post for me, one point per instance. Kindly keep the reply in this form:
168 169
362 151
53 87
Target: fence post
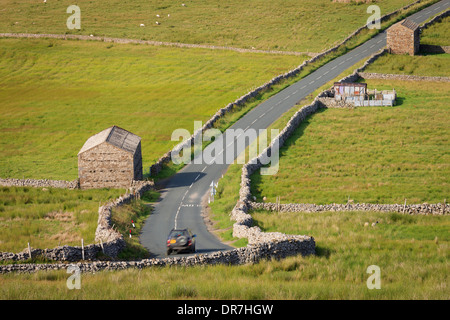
82 249
29 249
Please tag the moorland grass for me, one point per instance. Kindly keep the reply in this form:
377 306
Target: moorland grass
48 217
56 94
289 25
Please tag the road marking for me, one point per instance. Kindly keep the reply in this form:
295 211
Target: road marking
176 216
303 87
258 118
311 82
248 127
295 92
372 46
379 41
319 77
326 72
341 63
204 169
364 50
197 177
334 68
286 98
254 121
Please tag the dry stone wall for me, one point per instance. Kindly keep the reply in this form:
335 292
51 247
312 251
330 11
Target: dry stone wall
407 77
417 209
40 183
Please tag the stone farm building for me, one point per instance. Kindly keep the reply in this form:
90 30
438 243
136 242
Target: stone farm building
404 38
111 158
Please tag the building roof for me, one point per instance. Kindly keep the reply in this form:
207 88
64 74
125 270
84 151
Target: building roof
350 84
116 136
410 24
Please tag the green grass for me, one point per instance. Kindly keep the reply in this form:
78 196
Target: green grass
123 218
267 25
434 65
55 94
375 155
49 217
411 251
437 34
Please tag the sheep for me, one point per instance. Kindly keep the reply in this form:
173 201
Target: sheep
168 15
157 22
366 224
157 15
374 224
142 25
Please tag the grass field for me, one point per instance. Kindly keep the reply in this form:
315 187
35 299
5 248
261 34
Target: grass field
411 251
434 65
56 94
375 155
307 25
437 34
49 217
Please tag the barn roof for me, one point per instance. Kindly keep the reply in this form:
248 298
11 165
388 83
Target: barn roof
116 136
410 24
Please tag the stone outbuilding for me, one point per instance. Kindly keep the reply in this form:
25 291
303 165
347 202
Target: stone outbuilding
404 38
111 158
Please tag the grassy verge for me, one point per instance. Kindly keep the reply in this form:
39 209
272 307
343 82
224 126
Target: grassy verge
126 216
437 34
47 218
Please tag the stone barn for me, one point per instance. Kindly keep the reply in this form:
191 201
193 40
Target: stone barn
404 37
110 159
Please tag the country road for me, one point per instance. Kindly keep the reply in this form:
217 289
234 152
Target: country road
180 202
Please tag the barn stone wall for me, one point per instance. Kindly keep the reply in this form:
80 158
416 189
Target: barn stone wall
402 40
106 166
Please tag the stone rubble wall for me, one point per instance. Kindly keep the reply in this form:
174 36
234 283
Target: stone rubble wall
40 183
403 77
416 209
250 254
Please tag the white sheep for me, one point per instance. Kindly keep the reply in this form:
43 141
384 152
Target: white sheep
157 15
142 25
157 22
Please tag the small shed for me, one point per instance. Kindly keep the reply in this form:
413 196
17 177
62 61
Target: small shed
111 158
404 38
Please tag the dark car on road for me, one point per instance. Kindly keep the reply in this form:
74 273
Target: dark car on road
180 240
